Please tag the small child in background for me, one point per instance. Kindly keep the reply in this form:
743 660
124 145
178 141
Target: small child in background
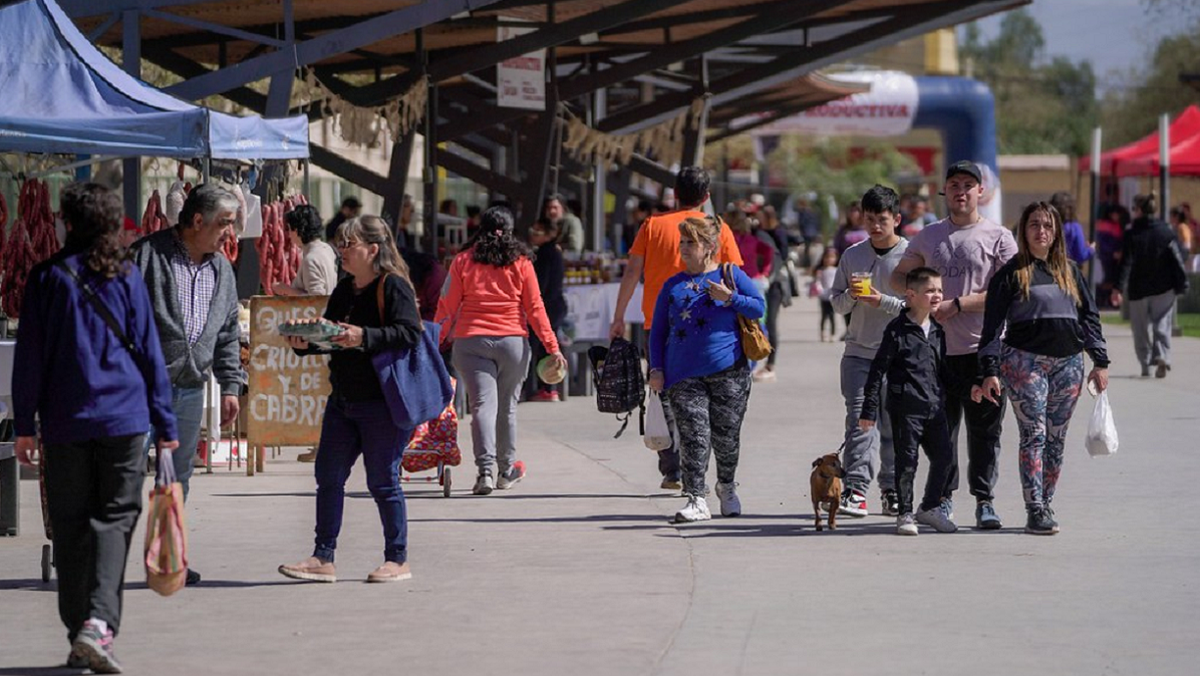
912 357
822 287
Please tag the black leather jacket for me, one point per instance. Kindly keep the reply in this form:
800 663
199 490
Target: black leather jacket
915 368
1152 260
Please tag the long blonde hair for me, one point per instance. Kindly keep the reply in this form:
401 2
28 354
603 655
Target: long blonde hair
374 230
1056 260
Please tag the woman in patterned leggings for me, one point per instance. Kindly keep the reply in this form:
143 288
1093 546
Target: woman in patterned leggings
696 359
1051 319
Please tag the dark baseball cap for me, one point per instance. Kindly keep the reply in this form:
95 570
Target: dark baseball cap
964 167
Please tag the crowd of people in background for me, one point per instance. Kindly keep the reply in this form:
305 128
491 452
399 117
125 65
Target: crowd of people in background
946 322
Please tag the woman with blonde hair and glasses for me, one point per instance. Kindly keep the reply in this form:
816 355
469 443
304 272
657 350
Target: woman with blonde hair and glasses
1051 319
697 361
357 419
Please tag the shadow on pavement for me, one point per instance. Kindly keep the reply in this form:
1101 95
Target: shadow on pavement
29 584
223 584
592 518
40 671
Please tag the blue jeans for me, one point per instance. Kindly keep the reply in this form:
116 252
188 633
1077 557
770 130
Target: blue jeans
351 429
188 404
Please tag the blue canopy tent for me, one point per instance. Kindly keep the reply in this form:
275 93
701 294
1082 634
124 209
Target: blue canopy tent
59 94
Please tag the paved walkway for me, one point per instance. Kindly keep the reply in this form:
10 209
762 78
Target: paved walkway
577 571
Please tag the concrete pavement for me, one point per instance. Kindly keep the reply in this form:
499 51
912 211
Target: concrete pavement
577 570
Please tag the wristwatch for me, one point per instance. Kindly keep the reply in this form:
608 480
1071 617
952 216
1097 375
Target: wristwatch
957 305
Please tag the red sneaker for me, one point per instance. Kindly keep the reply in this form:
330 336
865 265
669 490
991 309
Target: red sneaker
515 474
545 395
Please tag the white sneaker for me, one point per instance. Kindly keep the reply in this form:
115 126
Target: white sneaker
853 504
727 494
906 525
484 485
696 509
937 519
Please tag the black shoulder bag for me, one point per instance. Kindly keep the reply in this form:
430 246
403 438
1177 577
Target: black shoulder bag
101 309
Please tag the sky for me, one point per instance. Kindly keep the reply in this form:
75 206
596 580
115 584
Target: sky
1112 34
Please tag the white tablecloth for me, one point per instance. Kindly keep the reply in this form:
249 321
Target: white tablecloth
7 349
590 309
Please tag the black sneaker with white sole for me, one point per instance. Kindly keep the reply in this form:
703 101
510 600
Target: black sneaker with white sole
1040 522
890 502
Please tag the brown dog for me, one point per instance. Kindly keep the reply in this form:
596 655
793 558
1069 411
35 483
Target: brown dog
825 484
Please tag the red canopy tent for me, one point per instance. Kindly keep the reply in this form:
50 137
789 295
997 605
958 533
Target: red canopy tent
1185 160
1140 158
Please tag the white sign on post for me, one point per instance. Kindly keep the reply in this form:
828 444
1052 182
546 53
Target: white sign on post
521 80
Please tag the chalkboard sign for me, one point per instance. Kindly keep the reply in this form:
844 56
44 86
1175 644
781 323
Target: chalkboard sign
286 401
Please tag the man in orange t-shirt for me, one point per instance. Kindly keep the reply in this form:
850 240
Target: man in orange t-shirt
655 253
655 250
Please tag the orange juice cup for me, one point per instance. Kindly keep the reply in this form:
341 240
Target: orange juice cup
861 283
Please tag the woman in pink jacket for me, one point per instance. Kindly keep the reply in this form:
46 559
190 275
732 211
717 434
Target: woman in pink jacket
492 296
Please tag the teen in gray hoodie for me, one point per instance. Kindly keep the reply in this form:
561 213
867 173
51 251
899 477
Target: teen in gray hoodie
868 453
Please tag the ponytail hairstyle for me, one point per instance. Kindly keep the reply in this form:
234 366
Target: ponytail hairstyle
1147 205
1056 260
93 217
495 243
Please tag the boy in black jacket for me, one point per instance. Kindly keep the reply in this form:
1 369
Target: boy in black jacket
913 358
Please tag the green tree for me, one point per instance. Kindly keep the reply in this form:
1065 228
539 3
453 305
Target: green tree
1132 106
832 170
1041 106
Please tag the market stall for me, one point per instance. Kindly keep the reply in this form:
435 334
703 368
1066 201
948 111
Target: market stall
65 99
63 96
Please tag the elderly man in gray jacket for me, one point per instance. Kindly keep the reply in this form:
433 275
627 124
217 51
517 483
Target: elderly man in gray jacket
194 294
868 452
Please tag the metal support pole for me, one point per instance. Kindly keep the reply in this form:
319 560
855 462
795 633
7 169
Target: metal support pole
600 180
1164 182
1095 194
1164 165
429 172
131 62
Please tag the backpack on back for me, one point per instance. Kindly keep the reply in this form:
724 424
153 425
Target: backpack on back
620 383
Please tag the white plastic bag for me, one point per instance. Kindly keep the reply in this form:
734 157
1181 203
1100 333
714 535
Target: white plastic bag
1102 431
658 434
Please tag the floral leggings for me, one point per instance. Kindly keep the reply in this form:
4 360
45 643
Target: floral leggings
1042 391
708 413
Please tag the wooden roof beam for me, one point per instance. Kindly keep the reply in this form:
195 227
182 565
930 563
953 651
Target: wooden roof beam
466 61
906 22
316 49
791 14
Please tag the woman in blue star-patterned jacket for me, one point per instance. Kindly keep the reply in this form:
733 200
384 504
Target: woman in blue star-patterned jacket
697 362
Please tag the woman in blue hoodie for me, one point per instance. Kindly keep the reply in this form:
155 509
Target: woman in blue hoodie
95 384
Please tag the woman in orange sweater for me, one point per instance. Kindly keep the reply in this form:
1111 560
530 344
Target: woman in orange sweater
492 296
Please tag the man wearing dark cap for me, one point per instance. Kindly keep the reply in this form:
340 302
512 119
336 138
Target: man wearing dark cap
967 249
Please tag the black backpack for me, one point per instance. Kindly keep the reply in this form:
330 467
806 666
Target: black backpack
620 383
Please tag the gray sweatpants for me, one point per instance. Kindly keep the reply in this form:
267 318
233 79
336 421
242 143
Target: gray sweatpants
871 452
1151 318
493 367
